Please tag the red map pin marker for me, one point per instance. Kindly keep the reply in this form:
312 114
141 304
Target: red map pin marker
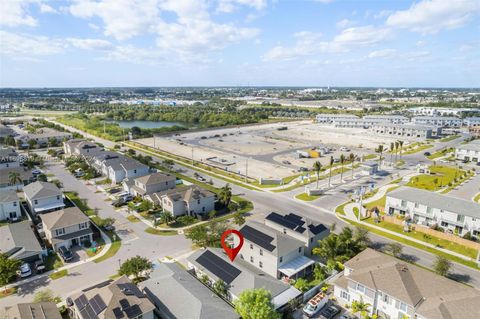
232 252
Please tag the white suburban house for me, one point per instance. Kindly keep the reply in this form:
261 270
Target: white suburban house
412 131
9 158
442 121
191 200
9 205
239 276
273 251
428 208
395 289
68 227
43 136
23 177
469 152
298 227
43 197
120 299
80 147
117 167
149 184
18 241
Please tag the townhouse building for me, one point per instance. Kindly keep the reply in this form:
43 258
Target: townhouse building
43 197
472 121
469 152
428 208
394 119
42 137
412 131
299 228
117 167
9 205
328 118
149 184
394 289
9 158
442 121
80 147
68 227
273 252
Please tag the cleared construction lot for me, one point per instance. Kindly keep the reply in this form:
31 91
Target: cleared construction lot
269 149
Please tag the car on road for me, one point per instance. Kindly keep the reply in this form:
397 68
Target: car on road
344 149
303 169
25 271
36 171
39 266
119 202
286 162
315 304
65 253
330 312
427 153
114 190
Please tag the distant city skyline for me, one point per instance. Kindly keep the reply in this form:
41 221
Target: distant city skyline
167 43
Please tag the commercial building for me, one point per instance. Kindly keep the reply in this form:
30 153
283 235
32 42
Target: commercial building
43 197
9 205
19 242
68 227
119 299
395 289
178 294
442 121
469 152
239 276
330 118
428 208
406 130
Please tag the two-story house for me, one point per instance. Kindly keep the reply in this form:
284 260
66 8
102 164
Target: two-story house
298 227
120 299
118 167
149 184
239 276
394 289
9 158
42 137
192 201
67 227
9 205
15 177
43 197
469 152
273 252
79 147
18 241
428 208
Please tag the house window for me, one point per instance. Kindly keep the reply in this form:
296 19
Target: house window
251 246
261 252
403 203
416 205
284 230
260 264
429 210
14 204
82 225
361 288
198 202
35 202
386 298
460 218
251 259
203 209
311 240
135 171
345 295
299 249
60 231
58 197
281 259
403 307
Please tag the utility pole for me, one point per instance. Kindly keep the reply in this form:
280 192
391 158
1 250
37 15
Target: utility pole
246 171
192 157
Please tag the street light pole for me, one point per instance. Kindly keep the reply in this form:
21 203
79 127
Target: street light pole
246 171
192 157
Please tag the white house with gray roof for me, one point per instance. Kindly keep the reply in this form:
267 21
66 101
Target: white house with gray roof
409 131
429 208
149 184
68 227
273 252
18 241
9 158
43 197
9 205
178 294
394 289
117 167
469 152
239 276
80 147
24 176
442 121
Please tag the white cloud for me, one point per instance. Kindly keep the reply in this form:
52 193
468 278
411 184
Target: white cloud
14 13
45 8
90 44
307 43
345 23
431 16
21 45
382 14
385 53
416 55
361 36
228 6
135 55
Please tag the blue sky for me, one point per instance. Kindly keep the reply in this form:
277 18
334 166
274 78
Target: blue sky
427 43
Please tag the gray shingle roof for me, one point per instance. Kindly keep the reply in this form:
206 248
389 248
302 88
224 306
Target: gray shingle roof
41 189
472 146
5 174
64 218
186 194
8 196
172 288
18 240
436 200
155 178
41 310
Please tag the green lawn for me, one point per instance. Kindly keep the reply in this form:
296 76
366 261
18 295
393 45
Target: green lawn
59 274
159 232
418 148
443 243
133 219
449 138
476 199
306 197
341 209
443 175
114 247
440 153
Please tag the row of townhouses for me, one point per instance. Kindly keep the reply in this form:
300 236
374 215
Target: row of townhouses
469 152
42 137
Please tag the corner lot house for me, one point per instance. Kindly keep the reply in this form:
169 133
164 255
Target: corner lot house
149 184
239 276
298 227
25 176
396 289
273 252
469 152
428 208
9 205
19 242
43 197
120 299
170 288
68 227
41 310
192 200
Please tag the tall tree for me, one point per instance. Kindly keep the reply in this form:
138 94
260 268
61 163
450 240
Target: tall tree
8 269
397 145
317 166
14 178
342 162
442 266
351 158
380 151
392 150
400 143
225 195
256 304
135 266
330 173
360 307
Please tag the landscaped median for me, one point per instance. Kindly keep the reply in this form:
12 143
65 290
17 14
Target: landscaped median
58 274
307 198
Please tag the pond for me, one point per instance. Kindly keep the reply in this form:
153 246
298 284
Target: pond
146 124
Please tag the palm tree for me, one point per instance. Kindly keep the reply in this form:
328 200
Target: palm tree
317 166
351 158
397 145
342 161
380 150
400 143
392 149
14 178
360 307
328 248
225 195
166 217
330 174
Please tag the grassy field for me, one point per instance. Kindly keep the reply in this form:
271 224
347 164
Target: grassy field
418 147
476 199
440 176
59 274
379 202
159 232
133 219
449 138
306 197
440 153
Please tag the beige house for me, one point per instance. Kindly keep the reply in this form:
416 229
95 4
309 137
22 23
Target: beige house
192 201
68 227
149 184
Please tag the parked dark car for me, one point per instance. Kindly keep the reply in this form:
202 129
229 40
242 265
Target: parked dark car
329 312
65 253
427 154
119 202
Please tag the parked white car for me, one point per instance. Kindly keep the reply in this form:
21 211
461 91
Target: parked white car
25 270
